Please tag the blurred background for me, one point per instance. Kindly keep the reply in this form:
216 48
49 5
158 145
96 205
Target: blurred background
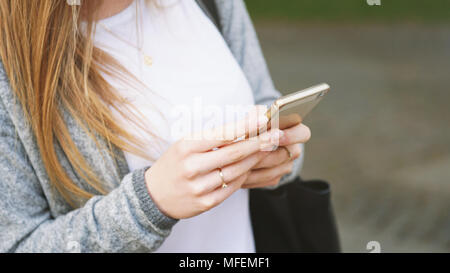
382 136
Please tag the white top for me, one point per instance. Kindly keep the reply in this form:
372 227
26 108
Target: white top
194 80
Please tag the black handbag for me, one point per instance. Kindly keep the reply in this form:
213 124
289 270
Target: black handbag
296 217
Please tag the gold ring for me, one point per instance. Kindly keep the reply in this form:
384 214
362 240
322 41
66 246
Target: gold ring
224 184
287 150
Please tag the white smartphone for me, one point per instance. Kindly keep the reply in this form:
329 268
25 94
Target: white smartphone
292 109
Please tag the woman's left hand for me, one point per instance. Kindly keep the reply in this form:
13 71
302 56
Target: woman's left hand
279 162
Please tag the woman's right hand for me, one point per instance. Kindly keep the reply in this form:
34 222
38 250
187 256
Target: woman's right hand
185 180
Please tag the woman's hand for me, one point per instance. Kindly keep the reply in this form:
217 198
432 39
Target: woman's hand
274 165
185 181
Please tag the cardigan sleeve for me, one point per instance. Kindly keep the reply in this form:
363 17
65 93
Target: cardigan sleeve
125 220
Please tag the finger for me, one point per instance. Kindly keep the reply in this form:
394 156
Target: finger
297 134
263 175
217 196
217 137
279 156
235 152
272 182
273 159
212 180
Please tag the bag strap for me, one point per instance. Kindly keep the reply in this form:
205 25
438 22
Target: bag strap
209 7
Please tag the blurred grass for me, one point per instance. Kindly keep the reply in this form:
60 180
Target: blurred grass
421 11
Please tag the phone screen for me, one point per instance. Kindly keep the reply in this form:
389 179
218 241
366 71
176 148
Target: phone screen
292 113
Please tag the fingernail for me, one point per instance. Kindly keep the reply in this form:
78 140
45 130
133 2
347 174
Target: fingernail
262 120
276 133
275 136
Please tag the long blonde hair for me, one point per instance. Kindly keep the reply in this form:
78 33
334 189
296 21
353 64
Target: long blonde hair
52 65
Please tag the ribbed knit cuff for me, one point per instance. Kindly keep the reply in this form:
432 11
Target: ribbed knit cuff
150 209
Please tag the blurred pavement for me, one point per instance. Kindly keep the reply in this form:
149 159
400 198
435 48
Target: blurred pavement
382 135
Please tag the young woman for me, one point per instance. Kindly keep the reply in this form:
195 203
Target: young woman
90 95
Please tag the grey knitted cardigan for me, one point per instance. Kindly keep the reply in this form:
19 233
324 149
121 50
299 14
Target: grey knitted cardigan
33 215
